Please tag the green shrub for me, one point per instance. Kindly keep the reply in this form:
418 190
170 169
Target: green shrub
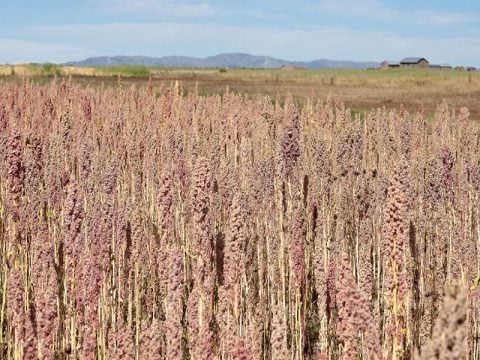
51 69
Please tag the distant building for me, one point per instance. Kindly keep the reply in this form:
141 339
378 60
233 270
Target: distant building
419 62
292 67
383 64
389 64
440 67
471 68
416 62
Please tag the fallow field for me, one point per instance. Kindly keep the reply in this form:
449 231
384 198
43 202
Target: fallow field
419 90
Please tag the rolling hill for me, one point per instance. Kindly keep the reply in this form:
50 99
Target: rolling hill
228 60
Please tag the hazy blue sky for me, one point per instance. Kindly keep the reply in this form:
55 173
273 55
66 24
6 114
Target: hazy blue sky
62 30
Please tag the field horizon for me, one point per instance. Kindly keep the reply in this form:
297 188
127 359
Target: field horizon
362 90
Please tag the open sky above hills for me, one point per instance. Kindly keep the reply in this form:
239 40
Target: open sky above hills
64 30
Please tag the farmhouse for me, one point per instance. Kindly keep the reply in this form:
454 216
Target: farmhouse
389 64
416 62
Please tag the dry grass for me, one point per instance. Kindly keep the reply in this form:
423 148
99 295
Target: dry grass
362 90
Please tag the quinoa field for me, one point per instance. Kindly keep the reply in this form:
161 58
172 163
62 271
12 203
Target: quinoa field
150 222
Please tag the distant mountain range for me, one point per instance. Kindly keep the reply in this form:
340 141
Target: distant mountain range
230 60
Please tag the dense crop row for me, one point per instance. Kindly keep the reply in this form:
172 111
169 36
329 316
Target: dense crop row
149 223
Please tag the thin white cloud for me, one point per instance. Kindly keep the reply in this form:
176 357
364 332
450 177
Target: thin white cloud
378 11
350 8
16 51
429 18
164 8
157 39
